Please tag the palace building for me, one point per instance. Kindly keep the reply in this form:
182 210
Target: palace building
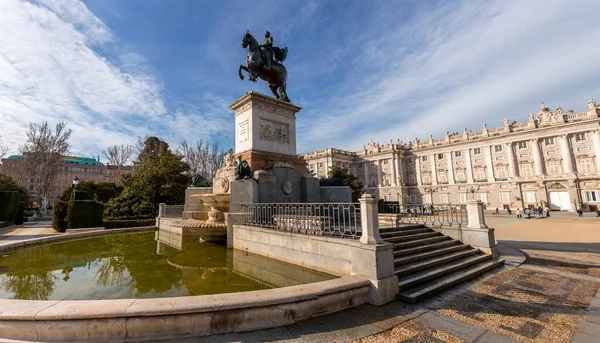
552 159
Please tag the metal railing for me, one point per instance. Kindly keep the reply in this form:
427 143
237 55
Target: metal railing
173 211
428 214
330 219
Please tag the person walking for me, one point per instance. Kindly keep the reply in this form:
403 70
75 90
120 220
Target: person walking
547 210
528 213
598 213
519 213
497 212
540 211
580 212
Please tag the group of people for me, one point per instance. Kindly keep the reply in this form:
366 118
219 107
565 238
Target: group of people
540 211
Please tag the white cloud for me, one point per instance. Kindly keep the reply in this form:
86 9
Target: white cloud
50 71
460 65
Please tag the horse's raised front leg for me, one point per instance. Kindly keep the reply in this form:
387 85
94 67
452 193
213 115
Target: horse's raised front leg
240 71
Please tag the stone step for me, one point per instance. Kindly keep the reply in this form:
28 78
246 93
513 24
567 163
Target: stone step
431 262
429 274
402 228
419 249
413 237
421 242
424 255
439 284
385 235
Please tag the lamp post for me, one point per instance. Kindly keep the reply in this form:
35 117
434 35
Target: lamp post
74 187
431 191
472 191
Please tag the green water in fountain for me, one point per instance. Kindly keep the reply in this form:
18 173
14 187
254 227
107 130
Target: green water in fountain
141 265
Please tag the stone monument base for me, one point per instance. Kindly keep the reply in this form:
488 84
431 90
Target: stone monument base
260 160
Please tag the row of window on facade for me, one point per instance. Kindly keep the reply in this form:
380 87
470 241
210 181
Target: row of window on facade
529 197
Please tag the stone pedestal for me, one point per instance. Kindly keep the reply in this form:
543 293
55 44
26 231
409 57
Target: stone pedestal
265 132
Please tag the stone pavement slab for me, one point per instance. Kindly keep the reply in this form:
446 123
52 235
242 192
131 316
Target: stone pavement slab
452 326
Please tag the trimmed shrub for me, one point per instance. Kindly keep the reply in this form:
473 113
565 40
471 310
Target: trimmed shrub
4 224
20 213
80 195
84 213
118 224
59 216
9 205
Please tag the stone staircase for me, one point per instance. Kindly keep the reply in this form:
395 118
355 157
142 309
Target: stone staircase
427 262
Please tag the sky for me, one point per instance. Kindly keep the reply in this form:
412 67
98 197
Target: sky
115 70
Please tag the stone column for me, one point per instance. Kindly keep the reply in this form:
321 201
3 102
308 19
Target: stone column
433 170
378 165
369 220
596 147
469 165
450 168
162 209
567 156
366 171
489 164
512 161
394 172
400 168
538 162
476 233
418 171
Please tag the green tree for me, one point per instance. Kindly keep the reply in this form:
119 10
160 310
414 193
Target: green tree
342 175
8 184
161 178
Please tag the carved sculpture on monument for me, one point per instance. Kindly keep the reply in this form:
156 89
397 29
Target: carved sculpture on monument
592 104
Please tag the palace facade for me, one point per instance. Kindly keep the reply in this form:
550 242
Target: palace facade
551 159
84 168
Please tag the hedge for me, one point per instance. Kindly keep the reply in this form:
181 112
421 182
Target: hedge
5 224
118 224
20 213
9 205
80 195
85 213
59 216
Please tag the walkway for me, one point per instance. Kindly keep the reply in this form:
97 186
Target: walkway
26 231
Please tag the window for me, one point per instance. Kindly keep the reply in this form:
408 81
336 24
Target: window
444 198
579 137
411 179
457 153
385 161
440 156
320 164
462 197
373 183
442 176
427 198
426 178
554 168
479 174
591 196
549 141
360 165
372 163
585 166
412 199
497 148
501 172
525 170
483 198
522 145
460 175
424 158
410 160
529 197
477 151
504 197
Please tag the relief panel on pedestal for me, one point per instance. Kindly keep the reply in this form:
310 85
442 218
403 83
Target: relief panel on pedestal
274 131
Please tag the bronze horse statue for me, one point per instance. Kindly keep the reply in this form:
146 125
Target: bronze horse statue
276 77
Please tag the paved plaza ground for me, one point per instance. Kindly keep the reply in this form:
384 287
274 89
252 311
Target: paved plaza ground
547 292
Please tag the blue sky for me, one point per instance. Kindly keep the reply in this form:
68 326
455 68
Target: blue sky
118 69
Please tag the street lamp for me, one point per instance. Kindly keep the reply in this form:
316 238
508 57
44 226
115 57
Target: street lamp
472 191
75 182
431 191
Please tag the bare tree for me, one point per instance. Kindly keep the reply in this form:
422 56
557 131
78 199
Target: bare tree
118 155
203 157
3 148
43 152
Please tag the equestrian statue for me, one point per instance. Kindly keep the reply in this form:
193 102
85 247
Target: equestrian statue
264 61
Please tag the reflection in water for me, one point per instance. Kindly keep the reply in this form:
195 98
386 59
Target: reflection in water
140 265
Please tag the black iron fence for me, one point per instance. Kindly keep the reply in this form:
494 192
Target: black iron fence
427 214
331 219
